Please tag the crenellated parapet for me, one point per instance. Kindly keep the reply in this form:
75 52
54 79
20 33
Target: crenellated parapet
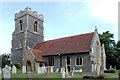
29 12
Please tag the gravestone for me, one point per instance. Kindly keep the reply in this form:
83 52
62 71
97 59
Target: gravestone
66 72
10 67
57 69
14 69
63 72
0 71
48 70
44 69
73 70
23 69
6 72
51 69
80 70
119 74
39 70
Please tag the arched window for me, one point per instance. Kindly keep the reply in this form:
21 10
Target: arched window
68 60
51 61
35 26
21 25
79 61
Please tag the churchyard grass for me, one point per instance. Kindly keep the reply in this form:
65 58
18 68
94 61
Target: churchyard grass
111 75
19 74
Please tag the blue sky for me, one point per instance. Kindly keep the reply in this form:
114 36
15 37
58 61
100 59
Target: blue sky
62 19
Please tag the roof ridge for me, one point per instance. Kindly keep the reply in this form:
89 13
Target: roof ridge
66 37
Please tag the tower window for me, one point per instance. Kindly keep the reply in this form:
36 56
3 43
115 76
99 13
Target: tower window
79 61
21 25
35 26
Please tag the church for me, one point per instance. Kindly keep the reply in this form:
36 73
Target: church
83 51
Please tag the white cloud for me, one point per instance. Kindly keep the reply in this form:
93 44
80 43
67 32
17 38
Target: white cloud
106 10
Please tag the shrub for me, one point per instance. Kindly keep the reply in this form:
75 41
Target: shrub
11 65
18 65
110 71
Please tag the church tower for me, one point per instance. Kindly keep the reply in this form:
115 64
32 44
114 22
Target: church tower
28 31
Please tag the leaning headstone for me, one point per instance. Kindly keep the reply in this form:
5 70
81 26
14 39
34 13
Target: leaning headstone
6 72
63 72
14 69
23 69
73 70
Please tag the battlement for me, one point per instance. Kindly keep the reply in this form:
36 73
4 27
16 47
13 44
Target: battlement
29 12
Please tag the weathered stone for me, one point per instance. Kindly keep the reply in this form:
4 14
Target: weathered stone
73 70
51 69
14 69
63 72
39 70
57 69
48 70
66 72
23 69
6 72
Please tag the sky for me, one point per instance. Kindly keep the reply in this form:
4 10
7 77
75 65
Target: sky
61 18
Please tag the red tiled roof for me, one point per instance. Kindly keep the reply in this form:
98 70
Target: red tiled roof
73 44
37 54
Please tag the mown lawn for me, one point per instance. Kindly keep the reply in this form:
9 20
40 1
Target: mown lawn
58 75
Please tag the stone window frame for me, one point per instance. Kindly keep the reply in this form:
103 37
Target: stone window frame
80 60
35 26
70 61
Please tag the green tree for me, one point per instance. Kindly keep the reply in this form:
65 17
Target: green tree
5 59
108 40
118 55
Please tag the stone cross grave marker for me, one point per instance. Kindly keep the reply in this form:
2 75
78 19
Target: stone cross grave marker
14 69
6 72
23 69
